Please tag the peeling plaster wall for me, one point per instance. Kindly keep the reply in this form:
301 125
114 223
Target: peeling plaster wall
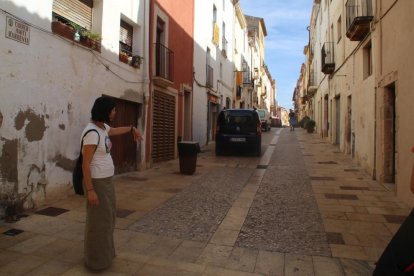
47 90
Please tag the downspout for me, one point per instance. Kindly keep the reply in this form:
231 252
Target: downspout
146 83
379 74
150 92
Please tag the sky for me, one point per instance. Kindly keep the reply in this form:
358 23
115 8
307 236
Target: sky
286 22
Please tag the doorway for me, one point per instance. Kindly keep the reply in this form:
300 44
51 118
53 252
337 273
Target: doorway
325 116
187 116
348 129
389 124
338 120
212 120
124 149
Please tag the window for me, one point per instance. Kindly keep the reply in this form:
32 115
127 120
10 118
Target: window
214 16
221 70
74 11
216 30
126 48
339 28
125 37
125 41
367 59
224 41
72 19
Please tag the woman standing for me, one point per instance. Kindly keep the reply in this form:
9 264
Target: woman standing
98 169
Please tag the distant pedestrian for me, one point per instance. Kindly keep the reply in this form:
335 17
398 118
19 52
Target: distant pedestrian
98 169
398 256
292 120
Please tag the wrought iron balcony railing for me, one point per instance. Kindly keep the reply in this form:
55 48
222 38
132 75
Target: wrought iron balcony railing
327 55
358 18
312 84
164 62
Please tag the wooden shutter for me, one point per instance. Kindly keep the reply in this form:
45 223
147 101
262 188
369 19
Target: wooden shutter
163 130
79 12
125 35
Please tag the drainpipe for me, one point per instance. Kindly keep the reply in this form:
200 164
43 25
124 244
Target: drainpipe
379 74
146 84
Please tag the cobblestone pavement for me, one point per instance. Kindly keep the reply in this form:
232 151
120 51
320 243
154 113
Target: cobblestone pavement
196 212
302 208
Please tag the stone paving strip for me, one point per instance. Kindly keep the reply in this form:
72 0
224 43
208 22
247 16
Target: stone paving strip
284 216
359 215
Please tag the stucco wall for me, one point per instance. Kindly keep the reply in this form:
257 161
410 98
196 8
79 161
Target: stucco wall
47 90
396 66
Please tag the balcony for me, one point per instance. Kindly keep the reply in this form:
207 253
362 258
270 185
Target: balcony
164 65
209 76
303 100
312 84
327 55
128 57
358 19
247 77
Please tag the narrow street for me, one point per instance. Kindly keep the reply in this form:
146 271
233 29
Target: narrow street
302 208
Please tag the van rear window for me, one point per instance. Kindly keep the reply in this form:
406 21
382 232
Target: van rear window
239 119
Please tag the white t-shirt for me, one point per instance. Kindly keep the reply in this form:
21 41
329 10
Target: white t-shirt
102 165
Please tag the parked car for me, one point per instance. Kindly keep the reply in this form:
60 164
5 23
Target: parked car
238 128
265 119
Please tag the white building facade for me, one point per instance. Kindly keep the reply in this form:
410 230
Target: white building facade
213 65
50 77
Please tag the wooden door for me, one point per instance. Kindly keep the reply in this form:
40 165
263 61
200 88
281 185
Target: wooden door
124 148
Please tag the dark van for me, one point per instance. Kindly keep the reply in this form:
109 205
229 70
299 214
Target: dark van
238 128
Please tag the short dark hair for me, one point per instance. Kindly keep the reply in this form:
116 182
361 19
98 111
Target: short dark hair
102 108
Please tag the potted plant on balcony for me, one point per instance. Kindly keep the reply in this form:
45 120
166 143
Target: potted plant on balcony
91 39
310 126
63 29
136 61
123 56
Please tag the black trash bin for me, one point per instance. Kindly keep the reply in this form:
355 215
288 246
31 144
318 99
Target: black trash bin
187 151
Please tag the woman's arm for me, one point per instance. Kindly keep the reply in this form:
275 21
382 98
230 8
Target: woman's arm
122 130
87 152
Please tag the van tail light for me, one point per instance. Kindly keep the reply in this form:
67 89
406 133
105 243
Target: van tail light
259 129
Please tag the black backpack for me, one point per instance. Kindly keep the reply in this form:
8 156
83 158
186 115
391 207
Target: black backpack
77 174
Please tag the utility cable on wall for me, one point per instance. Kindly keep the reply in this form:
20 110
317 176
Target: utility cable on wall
204 86
99 58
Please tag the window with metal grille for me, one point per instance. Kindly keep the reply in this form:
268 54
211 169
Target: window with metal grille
125 38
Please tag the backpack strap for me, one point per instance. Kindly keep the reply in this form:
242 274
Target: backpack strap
90 130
